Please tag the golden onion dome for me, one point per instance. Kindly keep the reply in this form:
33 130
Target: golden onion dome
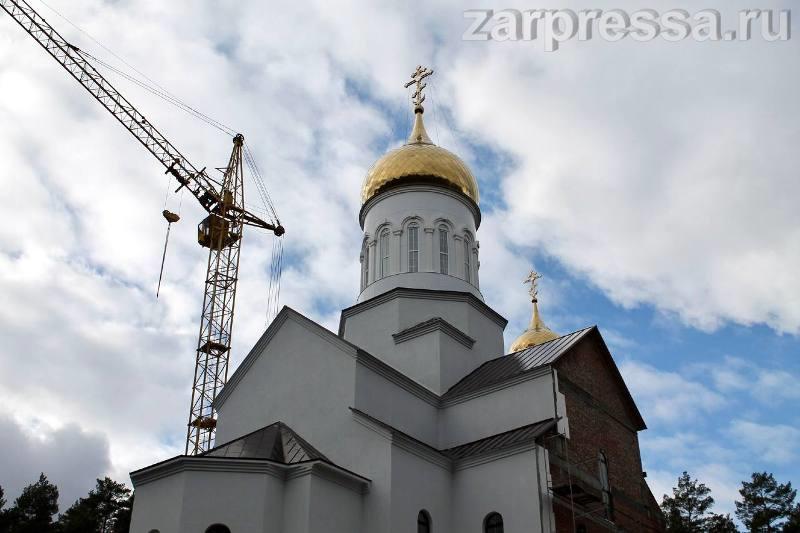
420 159
537 332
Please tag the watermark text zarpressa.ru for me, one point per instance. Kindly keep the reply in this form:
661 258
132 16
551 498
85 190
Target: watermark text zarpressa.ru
554 26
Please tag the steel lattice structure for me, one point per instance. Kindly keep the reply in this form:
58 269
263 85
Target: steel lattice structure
220 232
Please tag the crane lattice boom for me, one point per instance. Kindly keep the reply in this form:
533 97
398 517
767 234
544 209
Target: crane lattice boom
220 232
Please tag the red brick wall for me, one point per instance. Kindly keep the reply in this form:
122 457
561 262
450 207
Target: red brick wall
601 418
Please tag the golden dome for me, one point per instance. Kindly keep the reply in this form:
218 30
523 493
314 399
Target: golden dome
537 332
420 158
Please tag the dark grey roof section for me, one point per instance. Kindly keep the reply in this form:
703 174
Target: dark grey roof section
495 443
502 441
276 442
514 364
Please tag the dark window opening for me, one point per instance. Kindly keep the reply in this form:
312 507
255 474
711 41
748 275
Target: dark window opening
218 528
493 523
423 522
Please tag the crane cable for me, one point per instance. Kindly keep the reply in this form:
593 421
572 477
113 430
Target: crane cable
276 265
152 87
158 90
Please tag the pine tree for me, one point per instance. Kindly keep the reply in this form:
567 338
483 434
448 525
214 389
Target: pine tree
5 516
33 510
718 523
685 510
104 510
793 524
123 521
765 502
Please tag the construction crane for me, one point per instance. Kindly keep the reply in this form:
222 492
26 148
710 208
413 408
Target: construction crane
220 231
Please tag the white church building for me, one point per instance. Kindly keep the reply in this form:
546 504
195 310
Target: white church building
411 417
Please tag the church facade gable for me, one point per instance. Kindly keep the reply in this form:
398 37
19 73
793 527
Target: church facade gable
302 375
602 455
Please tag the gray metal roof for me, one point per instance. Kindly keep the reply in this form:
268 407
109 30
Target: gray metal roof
513 364
276 442
509 439
501 441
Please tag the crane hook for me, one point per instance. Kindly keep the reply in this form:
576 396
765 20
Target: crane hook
170 217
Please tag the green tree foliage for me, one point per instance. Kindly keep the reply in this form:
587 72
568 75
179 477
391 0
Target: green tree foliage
106 509
719 523
5 517
33 510
765 503
793 524
123 521
685 511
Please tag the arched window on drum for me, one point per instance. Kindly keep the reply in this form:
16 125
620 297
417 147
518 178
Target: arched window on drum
444 250
413 247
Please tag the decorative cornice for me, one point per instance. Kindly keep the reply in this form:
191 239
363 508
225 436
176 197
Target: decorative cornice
331 473
185 463
423 294
317 467
434 324
421 185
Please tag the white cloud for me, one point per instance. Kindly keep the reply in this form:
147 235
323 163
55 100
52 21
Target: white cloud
668 397
71 457
775 444
765 384
662 179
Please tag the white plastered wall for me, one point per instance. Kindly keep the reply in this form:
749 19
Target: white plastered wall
429 207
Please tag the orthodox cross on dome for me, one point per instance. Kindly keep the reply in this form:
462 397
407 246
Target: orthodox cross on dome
533 278
416 78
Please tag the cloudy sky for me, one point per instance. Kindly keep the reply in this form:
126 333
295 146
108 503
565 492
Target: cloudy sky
654 184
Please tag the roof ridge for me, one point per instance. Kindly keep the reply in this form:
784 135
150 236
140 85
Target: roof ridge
520 428
516 363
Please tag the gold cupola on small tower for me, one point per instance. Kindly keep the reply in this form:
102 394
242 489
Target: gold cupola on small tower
537 332
419 159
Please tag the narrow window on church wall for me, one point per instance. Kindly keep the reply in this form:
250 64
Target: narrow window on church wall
365 266
605 485
493 523
384 251
413 248
423 522
467 262
444 266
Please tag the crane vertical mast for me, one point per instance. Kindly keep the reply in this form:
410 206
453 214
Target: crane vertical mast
222 235
220 231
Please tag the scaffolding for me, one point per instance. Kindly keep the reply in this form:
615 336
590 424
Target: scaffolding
576 488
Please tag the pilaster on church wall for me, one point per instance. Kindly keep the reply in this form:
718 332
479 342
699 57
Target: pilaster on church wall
458 257
429 251
372 254
397 247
